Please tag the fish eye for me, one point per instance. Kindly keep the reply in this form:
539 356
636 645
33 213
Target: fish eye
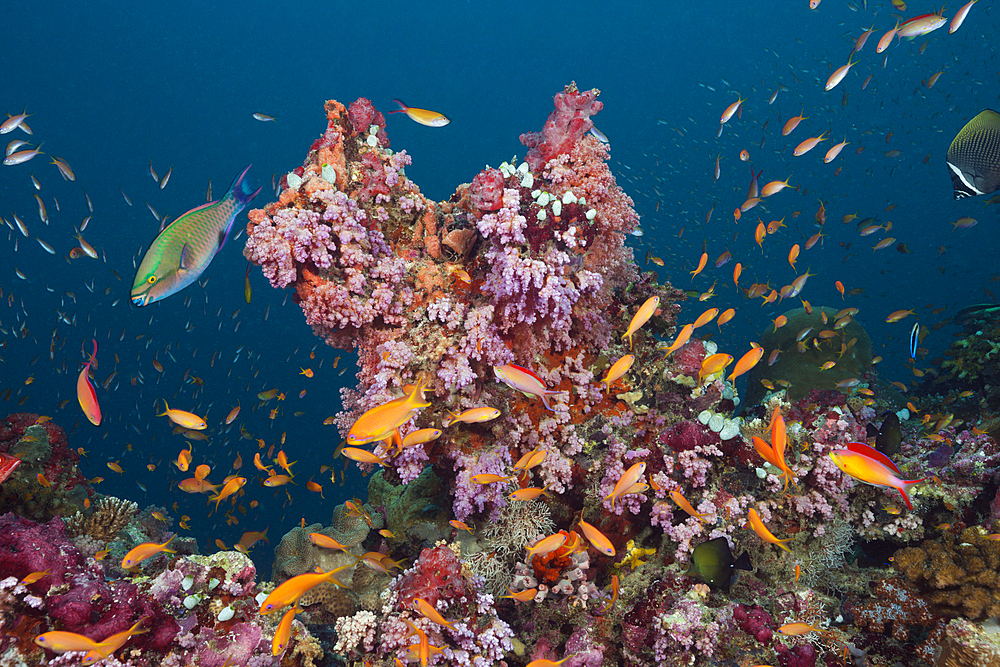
152 279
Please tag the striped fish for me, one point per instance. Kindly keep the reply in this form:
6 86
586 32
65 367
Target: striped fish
974 156
182 251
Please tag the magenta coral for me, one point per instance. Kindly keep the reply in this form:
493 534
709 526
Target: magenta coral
436 575
564 127
486 190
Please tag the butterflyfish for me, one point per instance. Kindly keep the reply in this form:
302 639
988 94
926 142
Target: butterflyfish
974 156
182 251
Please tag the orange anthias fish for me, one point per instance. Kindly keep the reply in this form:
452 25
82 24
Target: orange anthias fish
683 337
547 544
380 422
597 539
284 630
642 315
86 394
628 479
713 365
618 369
231 487
472 416
423 650
872 470
112 644
808 145
793 123
683 503
746 362
182 418
321 540
428 610
758 527
144 551
774 453
522 596
59 641
291 590
422 116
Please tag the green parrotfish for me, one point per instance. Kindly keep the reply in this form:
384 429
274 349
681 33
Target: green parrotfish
182 251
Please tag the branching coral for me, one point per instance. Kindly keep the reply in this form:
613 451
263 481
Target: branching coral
108 517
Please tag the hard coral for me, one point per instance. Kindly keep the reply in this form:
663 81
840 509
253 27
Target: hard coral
108 516
958 576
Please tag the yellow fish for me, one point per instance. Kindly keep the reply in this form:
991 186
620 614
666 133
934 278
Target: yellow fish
618 369
758 527
472 415
182 418
422 116
380 422
641 316
144 551
713 365
291 590
284 630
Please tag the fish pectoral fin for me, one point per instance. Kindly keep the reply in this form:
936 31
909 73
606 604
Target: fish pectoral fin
183 265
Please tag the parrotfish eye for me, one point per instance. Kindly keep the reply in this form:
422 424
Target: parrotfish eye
151 280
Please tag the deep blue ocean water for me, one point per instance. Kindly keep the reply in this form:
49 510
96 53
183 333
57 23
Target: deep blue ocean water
113 88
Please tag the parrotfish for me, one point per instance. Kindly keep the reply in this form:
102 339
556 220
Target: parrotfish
182 251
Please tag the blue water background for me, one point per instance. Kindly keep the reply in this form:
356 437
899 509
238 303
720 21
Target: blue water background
112 88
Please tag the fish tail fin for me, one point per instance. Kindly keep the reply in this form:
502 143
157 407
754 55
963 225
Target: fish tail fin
547 392
402 107
781 543
242 191
903 486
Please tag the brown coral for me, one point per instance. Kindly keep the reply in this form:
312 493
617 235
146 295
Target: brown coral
957 575
109 516
967 645
331 599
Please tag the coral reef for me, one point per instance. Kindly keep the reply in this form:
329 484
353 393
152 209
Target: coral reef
48 482
107 517
959 575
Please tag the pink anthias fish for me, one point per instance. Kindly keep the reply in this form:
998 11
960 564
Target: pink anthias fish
871 466
525 381
8 464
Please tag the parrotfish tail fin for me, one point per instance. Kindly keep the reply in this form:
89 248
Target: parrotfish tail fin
242 191
402 107
907 483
